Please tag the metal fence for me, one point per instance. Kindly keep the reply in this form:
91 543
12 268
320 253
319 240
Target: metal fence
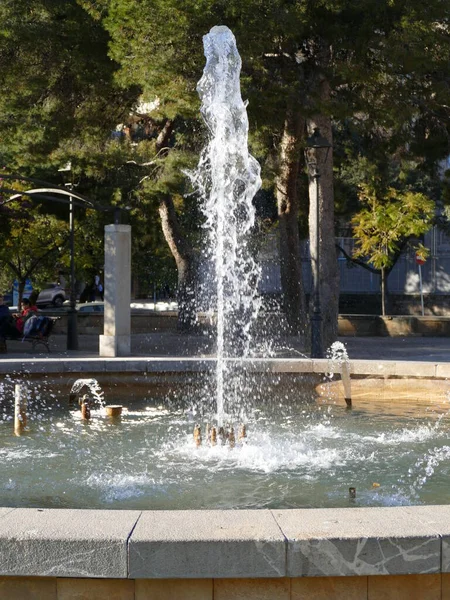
403 279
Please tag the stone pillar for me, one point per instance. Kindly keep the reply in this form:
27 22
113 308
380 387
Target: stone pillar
116 338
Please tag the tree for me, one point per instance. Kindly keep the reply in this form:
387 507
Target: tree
57 82
33 244
388 218
382 64
378 65
60 102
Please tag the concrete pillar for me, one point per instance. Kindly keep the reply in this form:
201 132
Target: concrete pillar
116 338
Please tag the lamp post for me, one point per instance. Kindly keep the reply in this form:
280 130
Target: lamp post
314 144
72 322
51 193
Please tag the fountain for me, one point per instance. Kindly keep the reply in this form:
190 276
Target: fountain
293 450
227 178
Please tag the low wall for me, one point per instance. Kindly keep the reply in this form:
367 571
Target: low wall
351 553
387 379
348 325
388 587
398 304
392 326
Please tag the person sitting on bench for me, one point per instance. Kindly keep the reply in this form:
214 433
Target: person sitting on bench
5 317
28 310
13 328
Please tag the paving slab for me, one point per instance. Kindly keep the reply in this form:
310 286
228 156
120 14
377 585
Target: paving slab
443 370
361 541
202 544
5 510
415 368
65 543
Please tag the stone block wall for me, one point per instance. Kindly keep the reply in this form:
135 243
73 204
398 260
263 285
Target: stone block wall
382 587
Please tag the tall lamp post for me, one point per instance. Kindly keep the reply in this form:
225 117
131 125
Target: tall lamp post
316 154
72 322
49 192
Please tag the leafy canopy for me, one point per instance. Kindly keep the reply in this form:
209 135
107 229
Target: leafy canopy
387 219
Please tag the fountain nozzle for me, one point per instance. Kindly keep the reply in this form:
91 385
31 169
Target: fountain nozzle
85 408
197 435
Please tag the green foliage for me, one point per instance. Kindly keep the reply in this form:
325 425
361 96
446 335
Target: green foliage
71 71
33 246
56 80
385 63
387 218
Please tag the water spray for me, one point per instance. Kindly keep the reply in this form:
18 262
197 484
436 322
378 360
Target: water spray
227 178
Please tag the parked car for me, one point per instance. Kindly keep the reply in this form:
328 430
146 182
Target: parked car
8 298
91 307
52 295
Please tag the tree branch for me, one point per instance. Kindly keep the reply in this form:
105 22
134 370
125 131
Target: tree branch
356 261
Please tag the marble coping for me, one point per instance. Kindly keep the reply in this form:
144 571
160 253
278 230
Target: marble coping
374 368
227 544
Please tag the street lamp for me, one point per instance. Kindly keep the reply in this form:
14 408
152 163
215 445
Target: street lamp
72 324
316 154
51 193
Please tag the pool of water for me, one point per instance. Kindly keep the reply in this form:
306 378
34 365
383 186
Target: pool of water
306 454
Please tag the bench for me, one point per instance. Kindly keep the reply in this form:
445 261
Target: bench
35 339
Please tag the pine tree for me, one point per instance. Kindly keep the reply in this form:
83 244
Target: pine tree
305 65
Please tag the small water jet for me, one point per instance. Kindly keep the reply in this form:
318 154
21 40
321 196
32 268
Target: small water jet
113 410
339 361
93 387
85 408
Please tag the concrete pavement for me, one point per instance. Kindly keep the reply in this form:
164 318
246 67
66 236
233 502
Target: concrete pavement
163 344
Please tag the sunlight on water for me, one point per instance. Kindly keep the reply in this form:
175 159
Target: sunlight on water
296 454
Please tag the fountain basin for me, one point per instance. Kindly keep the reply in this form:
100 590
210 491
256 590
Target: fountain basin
304 448
279 553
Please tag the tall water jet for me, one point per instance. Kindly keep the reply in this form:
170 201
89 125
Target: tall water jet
227 177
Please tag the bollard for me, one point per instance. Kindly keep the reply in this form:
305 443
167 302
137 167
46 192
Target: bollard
345 375
113 410
85 409
20 409
197 436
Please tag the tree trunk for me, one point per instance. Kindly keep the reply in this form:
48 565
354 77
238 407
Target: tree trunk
181 250
164 135
186 265
328 265
384 291
20 289
287 202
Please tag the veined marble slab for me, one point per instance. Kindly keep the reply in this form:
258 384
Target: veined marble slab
224 544
363 541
